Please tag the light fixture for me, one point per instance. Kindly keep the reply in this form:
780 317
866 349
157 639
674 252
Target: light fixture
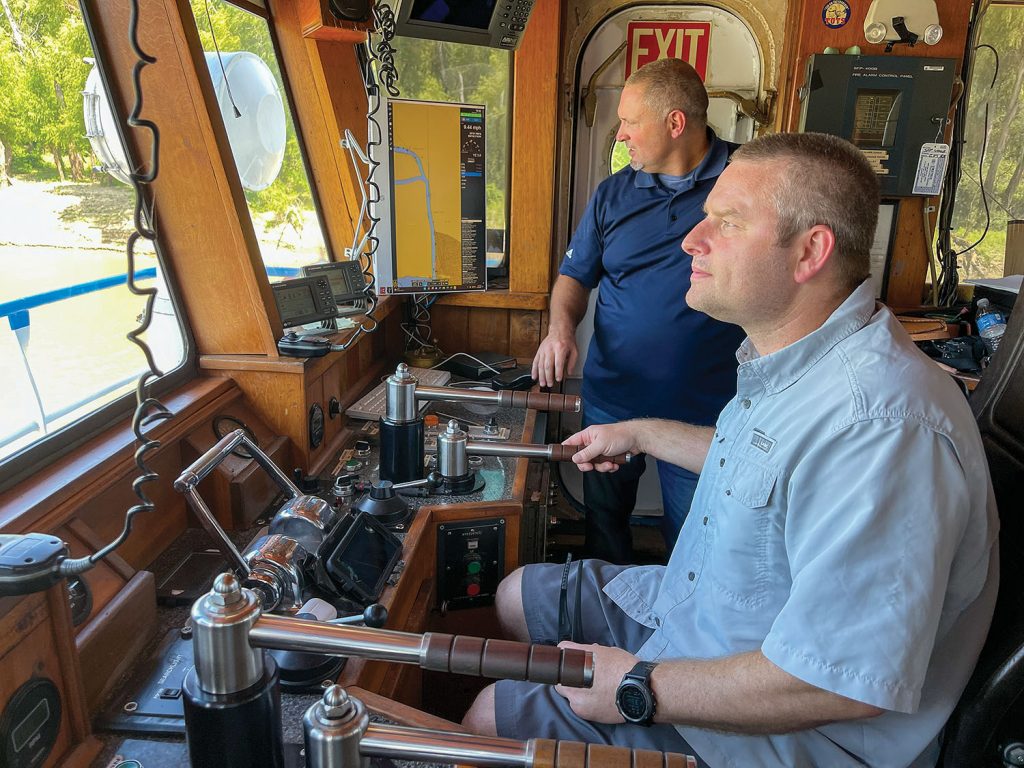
874 32
902 21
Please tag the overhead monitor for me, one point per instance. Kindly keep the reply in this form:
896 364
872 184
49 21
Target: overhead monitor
494 23
433 235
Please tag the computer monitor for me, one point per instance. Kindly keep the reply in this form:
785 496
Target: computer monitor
346 278
493 23
303 300
433 214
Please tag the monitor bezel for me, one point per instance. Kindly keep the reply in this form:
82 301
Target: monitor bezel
407 26
349 270
322 309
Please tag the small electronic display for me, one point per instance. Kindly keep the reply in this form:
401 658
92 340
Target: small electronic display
346 278
875 116
359 557
303 300
494 23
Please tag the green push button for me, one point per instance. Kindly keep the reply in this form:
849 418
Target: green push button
473 568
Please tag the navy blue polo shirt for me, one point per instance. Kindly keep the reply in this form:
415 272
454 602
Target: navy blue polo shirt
651 355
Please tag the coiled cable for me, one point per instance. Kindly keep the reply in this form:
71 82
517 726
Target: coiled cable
148 410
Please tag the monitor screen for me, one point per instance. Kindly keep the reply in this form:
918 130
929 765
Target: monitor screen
293 302
434 238
475 14
346 279
363 558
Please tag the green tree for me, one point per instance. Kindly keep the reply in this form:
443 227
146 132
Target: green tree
43 44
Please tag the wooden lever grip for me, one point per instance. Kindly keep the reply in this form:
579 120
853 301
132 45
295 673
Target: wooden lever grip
573 754
566 452
508 660
540 401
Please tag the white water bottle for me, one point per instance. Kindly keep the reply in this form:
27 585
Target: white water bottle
991 325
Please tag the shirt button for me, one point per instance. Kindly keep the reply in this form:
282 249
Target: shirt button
746 403
657 621
721 462
728 493
691 575
705 519
673 217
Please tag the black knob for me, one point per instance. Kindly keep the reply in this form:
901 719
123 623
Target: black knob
333 408
306 483
382 489
375 615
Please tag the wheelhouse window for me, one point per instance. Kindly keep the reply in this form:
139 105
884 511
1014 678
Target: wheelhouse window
254 104
431 70
66 212
980 238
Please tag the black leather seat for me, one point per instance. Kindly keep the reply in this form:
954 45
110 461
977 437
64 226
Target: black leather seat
989 719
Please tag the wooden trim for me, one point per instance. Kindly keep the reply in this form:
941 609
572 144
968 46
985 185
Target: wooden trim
496 299
91 539
403 714
46 501
252 7
534 147
111 643
311 91
202 218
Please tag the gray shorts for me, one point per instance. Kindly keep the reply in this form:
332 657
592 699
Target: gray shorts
531 710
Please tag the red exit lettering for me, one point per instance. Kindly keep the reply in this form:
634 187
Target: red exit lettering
648 41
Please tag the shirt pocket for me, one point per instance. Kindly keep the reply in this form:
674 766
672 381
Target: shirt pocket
739 562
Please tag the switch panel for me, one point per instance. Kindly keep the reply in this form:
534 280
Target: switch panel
470 562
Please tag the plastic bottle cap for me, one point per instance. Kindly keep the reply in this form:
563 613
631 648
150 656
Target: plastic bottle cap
430 420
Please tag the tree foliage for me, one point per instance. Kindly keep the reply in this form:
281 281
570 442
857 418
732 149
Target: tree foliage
995 119
43 68
430 70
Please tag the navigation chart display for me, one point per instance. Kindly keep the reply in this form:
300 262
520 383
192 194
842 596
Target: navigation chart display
433 222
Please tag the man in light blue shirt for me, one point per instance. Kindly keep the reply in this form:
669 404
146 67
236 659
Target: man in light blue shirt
833 585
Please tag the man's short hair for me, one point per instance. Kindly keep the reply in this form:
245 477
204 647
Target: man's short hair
823 180
672 84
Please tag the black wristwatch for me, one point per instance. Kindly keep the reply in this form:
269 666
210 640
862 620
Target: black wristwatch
634 698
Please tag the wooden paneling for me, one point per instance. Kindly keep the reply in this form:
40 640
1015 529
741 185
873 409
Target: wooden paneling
807 34
313 85
496 299
523 333
534 146
111 644
37 642
201 214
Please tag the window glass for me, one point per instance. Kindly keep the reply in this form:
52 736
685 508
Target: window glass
65 217
258 118
431 70
1002 167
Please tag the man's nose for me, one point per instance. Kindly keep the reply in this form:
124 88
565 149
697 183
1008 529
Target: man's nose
693 242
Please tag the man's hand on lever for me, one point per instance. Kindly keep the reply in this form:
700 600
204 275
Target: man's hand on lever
597 703
603 440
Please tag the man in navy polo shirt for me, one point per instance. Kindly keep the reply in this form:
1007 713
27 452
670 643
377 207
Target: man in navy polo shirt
651 355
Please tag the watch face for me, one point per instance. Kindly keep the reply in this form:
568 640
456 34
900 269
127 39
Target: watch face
634 701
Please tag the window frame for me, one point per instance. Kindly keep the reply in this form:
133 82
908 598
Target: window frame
48 449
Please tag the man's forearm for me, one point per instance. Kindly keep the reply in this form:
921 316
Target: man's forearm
684 445
568 305
746 694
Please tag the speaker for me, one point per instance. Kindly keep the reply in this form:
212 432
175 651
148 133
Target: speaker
350 10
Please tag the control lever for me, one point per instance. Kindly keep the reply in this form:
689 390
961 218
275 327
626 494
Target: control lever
422 487
375 615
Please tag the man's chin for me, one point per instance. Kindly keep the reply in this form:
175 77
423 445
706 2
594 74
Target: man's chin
636 165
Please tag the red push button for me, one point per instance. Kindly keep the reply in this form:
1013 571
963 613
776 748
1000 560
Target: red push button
473 590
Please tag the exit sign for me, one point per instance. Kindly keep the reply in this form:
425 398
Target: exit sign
648 41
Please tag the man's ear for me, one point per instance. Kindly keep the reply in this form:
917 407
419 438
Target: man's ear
676 122
817 247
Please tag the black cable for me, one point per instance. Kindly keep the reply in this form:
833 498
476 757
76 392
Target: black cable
981 156
148 410
220 61
948 275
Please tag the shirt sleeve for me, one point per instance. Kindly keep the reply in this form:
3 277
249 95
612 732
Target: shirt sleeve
873 524
582 260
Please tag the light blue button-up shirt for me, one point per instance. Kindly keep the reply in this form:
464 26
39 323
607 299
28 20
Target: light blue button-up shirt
844 525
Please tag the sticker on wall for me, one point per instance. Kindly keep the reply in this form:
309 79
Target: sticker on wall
835 13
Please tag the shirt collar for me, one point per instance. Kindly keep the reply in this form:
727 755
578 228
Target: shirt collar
784 367
710 166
